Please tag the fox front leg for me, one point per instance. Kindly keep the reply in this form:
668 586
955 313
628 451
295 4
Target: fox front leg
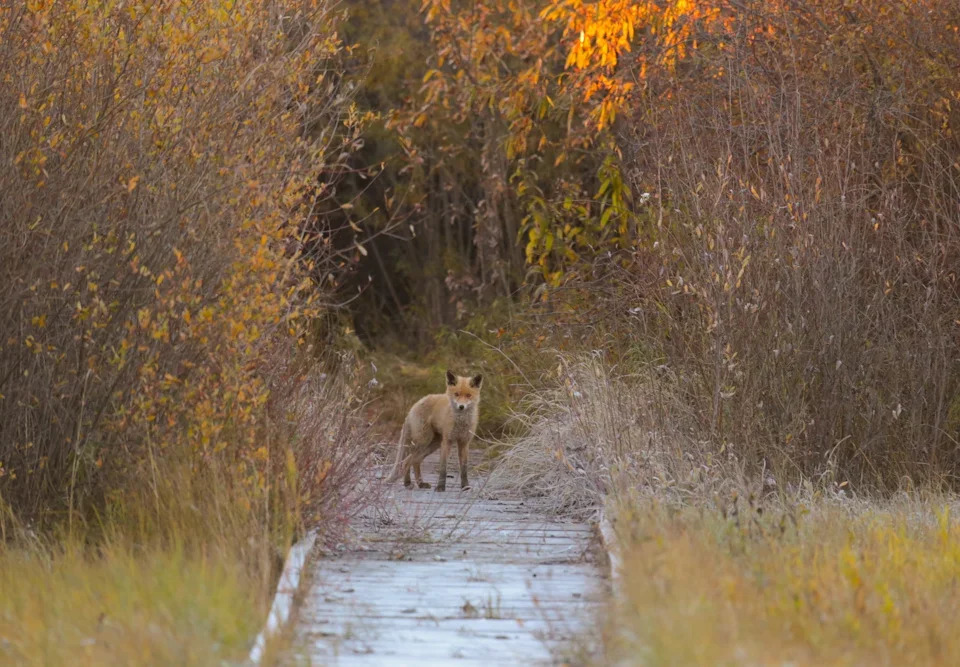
463 454
442 474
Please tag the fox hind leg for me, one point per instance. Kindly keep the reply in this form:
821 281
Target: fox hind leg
413 461
406 471
423 453
401 466
416 473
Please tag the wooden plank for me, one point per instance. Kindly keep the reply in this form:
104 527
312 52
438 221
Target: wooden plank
494 626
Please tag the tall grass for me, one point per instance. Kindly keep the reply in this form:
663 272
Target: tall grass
599 434
182 569
809 585
126 604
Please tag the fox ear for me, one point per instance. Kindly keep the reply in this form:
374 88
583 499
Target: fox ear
451 378
475 381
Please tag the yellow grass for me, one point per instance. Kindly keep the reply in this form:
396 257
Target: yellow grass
176 573
825 586
124 607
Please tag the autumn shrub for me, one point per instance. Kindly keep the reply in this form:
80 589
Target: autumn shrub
182 567
160 159
796 265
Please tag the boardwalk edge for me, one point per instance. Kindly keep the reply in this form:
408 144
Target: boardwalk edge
283 599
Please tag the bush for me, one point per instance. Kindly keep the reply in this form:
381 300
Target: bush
798 268
160 158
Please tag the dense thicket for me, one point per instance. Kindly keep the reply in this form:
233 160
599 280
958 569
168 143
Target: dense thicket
161 159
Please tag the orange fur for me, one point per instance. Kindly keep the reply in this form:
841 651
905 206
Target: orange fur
439 421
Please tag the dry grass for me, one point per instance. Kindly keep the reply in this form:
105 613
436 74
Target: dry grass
330 447
599 432
816 584
125 606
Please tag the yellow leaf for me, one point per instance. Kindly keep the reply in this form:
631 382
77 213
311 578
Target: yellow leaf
132 183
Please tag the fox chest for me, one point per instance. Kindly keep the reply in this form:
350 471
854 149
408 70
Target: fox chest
462 429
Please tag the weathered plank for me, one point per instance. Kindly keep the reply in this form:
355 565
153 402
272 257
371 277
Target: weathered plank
451 578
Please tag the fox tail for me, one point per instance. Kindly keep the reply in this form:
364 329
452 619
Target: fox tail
398 463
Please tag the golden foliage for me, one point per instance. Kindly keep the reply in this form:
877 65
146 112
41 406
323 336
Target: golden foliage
560 74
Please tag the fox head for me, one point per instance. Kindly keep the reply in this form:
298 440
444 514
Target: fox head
463 392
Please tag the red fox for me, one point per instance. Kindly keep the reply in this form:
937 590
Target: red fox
439 420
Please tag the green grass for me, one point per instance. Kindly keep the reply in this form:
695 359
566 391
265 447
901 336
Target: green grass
123 605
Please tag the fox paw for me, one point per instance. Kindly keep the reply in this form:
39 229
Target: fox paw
407 483
424 485
441 487
465 487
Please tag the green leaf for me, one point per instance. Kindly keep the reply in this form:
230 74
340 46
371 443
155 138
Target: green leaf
605 218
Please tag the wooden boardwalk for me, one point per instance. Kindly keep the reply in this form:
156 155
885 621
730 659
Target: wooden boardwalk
451 579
